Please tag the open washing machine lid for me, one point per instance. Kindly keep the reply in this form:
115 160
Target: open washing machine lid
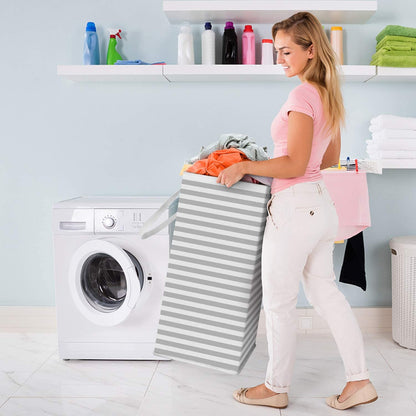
105 281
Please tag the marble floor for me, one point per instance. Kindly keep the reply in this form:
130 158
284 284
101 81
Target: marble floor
34 381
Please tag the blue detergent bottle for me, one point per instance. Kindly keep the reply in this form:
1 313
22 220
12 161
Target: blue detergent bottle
91 46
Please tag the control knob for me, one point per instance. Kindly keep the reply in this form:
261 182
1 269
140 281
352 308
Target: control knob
109 222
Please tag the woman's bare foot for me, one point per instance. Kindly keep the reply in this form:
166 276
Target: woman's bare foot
259 392
350 388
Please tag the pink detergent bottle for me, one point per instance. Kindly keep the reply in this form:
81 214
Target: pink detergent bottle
249 46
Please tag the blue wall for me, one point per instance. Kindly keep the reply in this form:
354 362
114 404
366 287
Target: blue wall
61 139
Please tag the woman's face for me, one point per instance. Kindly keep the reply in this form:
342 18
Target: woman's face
291 56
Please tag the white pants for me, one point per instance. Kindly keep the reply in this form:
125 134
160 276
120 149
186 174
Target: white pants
298 245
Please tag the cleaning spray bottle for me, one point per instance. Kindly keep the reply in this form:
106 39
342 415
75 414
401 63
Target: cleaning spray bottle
112 54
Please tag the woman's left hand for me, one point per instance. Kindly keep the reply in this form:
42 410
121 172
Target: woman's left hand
231 175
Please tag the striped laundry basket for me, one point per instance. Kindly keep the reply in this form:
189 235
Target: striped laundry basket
212 297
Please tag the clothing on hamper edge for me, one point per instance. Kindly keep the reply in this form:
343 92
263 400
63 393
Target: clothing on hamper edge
242 142
217 161
298 245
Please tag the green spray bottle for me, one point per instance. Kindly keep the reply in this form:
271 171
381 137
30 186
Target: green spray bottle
112 54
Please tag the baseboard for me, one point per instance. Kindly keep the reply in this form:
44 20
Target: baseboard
43 319
370 320
27 319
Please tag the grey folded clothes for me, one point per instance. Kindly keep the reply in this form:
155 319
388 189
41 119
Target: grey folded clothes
242 142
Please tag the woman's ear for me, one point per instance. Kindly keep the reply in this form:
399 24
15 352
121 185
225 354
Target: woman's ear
311 51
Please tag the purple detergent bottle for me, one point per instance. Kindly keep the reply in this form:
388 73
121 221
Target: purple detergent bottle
229 45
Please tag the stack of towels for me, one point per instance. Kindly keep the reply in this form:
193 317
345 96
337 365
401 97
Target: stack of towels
393 137
396 46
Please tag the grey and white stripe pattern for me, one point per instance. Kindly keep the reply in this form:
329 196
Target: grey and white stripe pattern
213 292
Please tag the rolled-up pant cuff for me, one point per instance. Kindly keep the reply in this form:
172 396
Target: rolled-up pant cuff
357 377
276 389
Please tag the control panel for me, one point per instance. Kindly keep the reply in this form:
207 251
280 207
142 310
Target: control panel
129 220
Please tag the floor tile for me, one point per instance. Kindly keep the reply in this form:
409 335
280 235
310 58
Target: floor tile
11 381
88 378
381 407
25 352
185 389
70 407
34 381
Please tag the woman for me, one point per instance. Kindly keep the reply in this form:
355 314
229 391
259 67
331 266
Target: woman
302 221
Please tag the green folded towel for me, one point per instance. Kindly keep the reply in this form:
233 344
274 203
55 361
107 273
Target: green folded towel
398 61
397 43
396 30
394 53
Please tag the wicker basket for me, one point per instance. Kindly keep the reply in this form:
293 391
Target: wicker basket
403 267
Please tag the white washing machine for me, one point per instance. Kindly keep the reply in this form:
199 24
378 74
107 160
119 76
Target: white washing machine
109 282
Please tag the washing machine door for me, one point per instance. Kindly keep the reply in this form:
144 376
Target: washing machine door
106 282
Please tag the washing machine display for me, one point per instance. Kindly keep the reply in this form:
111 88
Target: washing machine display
109 281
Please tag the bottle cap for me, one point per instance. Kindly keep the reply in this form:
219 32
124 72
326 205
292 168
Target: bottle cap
336 28
208 26
248 28
229 25
266 41
91 27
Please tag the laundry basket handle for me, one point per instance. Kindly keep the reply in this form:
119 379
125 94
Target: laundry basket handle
147 231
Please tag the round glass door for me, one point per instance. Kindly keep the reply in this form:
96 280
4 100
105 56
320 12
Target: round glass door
105 282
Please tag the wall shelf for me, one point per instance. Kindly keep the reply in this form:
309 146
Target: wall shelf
267 11
196 73
252 73
112 73
388 74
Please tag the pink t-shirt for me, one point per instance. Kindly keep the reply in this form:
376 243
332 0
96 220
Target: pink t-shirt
305 99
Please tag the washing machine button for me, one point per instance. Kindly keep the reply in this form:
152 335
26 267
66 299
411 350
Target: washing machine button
109 222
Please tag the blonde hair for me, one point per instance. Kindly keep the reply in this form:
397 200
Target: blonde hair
306 30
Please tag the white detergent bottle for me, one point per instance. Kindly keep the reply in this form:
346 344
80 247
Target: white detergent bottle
186 46
208 45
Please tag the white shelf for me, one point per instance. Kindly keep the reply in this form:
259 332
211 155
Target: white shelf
196 73
112 73
388 74
224 73
267 11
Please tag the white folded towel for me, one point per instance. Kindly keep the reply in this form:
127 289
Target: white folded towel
393 134
392 144
391 154
388 121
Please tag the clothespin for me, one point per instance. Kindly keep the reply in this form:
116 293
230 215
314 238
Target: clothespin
348 162
356 165
339 164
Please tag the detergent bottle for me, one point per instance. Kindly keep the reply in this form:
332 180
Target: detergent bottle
112 54
208 45
229 45
186 46
91 45
249 46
